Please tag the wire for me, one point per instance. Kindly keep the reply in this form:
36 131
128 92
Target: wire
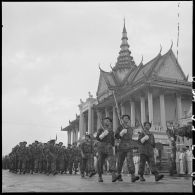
178 31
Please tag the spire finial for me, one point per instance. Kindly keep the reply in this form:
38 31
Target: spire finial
124 28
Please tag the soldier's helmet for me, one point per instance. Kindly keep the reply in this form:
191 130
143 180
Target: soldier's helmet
36 142
24 142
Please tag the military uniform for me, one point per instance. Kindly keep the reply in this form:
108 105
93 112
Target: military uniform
76 158
125 150
70 158
51 158
86 162
146 151
105 151
172 139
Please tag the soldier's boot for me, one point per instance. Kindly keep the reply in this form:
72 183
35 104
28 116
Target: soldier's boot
114 177
158 177
120 178
82 175
134 178
141 178
92 174
100 178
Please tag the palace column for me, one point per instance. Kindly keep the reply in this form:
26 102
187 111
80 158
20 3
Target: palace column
107 112
132 103
122 108
150 107
98 119
162 111
115 119
90 120
76 134
143 110
81 124
179 108
69 136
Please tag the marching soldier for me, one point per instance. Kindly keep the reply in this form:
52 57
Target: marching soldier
147 142
105 136
51 158
61 158
76 155
87 152
172 142
70 158
125 148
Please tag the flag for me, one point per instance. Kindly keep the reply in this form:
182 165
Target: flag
56 137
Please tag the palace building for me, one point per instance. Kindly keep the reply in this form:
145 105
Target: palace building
157 91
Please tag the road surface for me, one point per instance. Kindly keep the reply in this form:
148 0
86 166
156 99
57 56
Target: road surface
73 183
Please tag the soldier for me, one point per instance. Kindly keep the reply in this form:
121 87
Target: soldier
44 158
105 136
19 154
31 159
87 152
25 157
60 158
36 155
51 157
125 148
172 142
147 142
70 158
76 155
65 158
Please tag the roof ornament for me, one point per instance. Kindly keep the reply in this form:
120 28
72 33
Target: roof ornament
81 101
160 48
90 95
141 63
111 66
171 44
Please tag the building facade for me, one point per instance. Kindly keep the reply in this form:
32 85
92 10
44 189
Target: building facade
157 91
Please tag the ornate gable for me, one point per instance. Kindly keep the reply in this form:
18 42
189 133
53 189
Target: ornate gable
169 67
102 85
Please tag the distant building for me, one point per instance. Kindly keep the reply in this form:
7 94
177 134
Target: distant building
157 91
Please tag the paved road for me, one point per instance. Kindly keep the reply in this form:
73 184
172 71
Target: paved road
73 183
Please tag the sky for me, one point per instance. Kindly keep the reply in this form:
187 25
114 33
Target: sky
51 52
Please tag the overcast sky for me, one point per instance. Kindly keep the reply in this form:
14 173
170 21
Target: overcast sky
51 52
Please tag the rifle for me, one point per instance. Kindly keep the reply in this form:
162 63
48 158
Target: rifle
142 127
98 115
117 109
135 142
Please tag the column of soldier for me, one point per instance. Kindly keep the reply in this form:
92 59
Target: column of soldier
47 158
51 158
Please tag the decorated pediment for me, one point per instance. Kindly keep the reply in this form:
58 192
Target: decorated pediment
169 67
121 74
102 85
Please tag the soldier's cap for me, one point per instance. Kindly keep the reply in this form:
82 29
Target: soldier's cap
107 118
147 123
69 144
61 143
87 134
36 141
24 142
52 141
21 143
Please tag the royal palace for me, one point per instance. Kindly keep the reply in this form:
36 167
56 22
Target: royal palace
157 91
